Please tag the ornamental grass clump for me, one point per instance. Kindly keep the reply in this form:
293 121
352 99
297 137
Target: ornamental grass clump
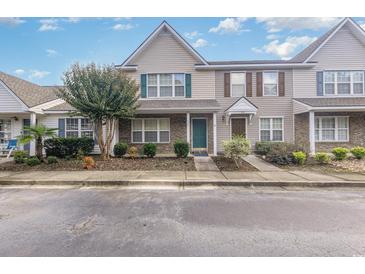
340 153
300 157
322 158
358 152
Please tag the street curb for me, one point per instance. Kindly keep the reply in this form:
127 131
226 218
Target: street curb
182 183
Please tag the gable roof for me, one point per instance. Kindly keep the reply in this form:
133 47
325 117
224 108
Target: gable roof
242 105
163 25
306 54
30 94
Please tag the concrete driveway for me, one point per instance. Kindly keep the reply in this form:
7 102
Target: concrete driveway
38 221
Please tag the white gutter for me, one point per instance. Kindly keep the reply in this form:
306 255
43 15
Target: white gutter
233 66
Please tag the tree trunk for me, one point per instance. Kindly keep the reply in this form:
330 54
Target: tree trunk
39 148
101 143
105 144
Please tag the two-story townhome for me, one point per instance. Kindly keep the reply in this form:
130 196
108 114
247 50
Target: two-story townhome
315 99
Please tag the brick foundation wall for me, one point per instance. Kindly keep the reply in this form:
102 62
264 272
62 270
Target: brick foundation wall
356 131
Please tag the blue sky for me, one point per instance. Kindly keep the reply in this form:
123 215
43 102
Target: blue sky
40 49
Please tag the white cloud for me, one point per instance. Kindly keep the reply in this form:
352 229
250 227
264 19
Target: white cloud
276 24
51 52
11 21
191 35
73 19
272 36
200 43
127 26
229 25
48 25
286 48
122 18
39 74
19 71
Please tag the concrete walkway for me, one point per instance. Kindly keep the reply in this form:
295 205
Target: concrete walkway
205 163
183 178
260 164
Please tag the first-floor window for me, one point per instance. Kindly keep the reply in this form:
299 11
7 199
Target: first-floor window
271 129
151 130
5 131
79 127
332 129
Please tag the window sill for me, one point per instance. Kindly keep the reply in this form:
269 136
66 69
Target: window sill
332 141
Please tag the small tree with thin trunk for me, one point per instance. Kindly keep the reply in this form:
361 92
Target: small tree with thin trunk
104 94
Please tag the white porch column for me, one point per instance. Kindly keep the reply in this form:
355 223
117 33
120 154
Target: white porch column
312 136
33 121
214 133
188 127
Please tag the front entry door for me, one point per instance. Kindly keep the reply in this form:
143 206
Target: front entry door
199 133
238 126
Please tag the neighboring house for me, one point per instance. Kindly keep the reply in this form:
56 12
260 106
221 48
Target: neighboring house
315 99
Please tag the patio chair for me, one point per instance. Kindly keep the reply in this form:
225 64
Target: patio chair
11 146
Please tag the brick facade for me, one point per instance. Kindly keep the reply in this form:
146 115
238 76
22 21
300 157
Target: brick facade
356 130
177 130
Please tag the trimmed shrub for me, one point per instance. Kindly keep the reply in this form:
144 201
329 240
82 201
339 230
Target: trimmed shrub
62 147
149 150
340 153
52 160
236 148
299 157
358 152
282 153
322 158
120 149
20 156
263 148
32 161
133 152
181 148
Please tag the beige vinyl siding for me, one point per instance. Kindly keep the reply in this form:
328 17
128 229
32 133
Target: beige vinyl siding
8 101
342 52
267 106
166 55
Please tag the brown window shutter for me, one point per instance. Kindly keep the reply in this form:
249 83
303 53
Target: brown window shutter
227 85
281 83
259 84
248 84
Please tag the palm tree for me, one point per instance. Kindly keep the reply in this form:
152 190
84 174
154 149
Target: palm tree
37 133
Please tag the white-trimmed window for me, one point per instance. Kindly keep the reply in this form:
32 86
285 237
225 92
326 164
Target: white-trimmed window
151 130
79 127
272 129
270 83
5 132
165 85
343 82
332 129
238 84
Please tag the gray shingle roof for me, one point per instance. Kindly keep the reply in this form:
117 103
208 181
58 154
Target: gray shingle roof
31 94
179 104
333 102
188 104
249 62
304 54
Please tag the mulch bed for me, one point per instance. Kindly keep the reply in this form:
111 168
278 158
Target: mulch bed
226 164
158 163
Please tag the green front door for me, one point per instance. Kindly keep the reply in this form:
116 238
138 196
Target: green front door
200 133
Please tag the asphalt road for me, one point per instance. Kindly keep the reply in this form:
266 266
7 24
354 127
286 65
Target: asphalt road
216 222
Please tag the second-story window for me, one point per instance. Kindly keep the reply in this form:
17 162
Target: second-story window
165 85
343 82
238 84
270 85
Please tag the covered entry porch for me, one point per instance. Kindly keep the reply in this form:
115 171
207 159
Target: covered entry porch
165 121
324 123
